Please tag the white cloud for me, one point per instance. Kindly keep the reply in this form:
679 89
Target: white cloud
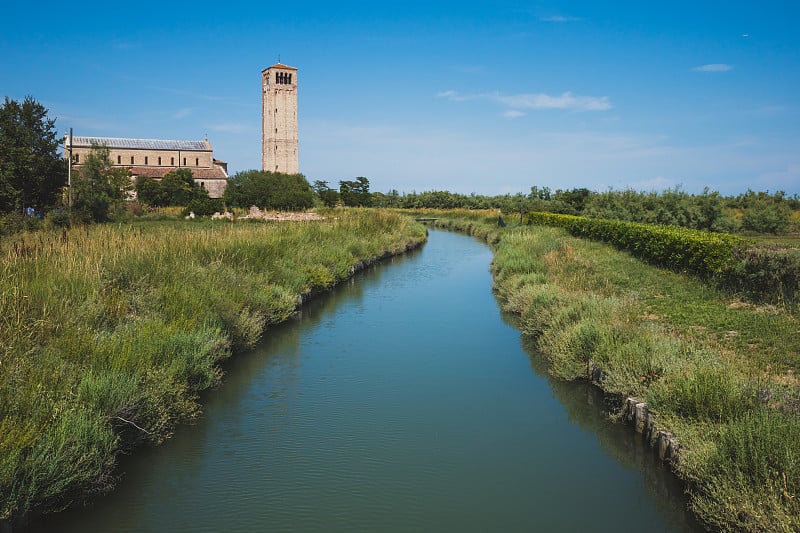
785 179
183 112
513 113
559 18
494 161
455 96
713 67
565 100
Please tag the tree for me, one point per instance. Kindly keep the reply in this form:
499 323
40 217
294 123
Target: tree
328 196
149 192
179 188
766 214
100 188
270 190
355 193
32 173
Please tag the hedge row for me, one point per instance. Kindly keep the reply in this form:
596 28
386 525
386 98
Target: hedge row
702 253
764 274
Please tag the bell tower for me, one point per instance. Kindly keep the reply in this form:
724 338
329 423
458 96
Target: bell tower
279 119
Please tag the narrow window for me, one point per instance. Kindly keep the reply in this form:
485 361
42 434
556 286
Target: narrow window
119 159
131 160
290 78
277 78
197 161
145 160
159 160
77 158
184 161
172 161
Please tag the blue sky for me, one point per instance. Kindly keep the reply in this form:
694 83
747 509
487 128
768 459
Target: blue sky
483 97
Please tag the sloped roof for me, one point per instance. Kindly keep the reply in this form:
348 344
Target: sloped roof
141 144
197 173
280 65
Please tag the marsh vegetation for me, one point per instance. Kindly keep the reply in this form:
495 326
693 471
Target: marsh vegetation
109 332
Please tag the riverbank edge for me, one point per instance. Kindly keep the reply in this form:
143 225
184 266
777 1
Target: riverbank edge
20 522
718 424
633 412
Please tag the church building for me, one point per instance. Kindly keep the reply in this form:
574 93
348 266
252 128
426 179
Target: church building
279 119
155 157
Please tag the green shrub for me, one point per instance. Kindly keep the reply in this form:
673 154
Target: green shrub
752 479
704 392
699 252
203 206
765 273
57 218
767 217
768 274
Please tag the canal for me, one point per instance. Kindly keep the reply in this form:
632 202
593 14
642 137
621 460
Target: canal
401 401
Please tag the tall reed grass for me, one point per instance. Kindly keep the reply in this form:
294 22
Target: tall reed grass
107 333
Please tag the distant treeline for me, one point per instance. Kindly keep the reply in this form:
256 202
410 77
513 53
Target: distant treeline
757 212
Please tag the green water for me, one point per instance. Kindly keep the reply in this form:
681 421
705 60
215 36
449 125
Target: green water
402 401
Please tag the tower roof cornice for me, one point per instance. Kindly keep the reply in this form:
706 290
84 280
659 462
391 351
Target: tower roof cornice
280 66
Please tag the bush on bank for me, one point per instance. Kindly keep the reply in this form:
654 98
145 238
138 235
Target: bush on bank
108 333
720 401
764 274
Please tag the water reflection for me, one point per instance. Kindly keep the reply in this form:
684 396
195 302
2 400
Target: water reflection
586 406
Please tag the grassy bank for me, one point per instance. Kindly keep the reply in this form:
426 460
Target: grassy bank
719 372
109 332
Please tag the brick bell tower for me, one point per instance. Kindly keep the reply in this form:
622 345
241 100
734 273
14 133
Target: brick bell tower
279 119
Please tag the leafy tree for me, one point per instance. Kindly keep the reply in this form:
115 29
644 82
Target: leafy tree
767 217
32 173
328 196
270 190
347 193
519 203
362 189
179 188
575 199
100 188
355 193
149 191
